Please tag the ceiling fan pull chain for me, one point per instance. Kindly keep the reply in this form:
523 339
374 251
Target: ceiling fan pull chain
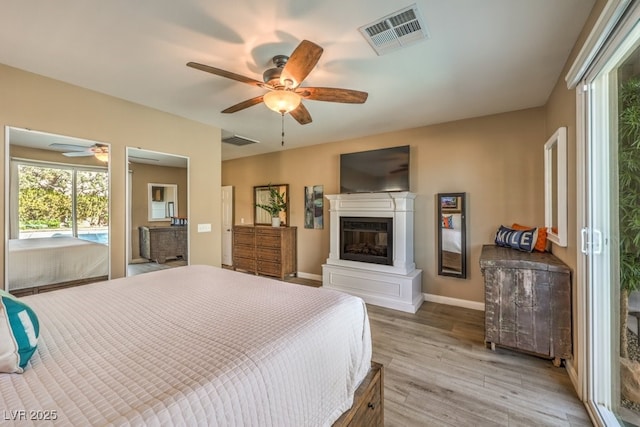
282 114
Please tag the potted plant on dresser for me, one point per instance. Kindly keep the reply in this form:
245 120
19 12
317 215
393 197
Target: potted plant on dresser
276 204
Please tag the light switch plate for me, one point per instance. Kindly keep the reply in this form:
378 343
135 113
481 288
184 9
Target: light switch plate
204 228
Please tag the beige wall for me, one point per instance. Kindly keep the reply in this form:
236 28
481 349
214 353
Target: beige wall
497 160
39 103
141 176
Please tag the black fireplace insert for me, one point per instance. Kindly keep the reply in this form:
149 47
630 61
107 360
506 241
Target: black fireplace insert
366 239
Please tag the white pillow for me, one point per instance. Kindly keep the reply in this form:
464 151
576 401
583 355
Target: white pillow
19 330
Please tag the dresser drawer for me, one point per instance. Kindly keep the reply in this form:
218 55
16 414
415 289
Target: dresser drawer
268 254
269 268
243 251
266 241
244 263
243 238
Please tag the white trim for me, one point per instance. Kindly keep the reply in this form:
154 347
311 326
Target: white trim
310 276
574 375
473 305
578 376
607 20
556 171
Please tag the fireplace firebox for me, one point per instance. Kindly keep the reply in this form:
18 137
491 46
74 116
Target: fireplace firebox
367 239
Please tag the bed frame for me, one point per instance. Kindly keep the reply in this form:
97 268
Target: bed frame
55 286
368 401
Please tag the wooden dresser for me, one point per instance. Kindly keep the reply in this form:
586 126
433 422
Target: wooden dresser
159 243
527 302
266 250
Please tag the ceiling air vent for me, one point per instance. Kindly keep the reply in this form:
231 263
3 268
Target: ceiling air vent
238 140
395 31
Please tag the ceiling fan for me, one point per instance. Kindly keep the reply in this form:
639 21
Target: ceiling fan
100 151
283 84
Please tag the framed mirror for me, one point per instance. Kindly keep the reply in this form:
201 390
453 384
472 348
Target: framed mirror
163 201
262 196
555 187
452 239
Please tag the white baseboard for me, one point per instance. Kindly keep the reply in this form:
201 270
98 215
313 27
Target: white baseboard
310 276
473 305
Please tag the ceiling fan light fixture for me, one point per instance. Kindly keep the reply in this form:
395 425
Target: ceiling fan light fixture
102 156
282 101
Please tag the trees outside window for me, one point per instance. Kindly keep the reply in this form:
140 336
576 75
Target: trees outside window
62 200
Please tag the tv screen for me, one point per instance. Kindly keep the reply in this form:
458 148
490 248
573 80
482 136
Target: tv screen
374 171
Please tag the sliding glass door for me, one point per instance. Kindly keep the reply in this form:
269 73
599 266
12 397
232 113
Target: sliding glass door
610 240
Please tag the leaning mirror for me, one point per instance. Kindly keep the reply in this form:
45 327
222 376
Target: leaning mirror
268 206
163 201
555 187
452 251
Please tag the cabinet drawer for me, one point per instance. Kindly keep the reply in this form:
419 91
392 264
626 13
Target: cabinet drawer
269 268
243 251
268 241
244 263
268 254
243 238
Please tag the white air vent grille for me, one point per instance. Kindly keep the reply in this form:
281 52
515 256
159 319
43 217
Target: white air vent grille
238 140
400 29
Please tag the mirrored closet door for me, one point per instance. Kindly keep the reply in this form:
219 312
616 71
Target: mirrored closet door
57 202
157 217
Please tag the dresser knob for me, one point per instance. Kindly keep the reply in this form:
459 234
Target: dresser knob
371 405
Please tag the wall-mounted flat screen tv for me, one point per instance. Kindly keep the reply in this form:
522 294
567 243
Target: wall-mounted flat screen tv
374 171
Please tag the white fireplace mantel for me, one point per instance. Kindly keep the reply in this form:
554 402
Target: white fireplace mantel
398 206
395 286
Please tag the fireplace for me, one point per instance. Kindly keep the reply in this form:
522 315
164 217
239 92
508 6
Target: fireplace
366 239
371 249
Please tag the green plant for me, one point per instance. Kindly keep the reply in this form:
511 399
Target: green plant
277 202
629 198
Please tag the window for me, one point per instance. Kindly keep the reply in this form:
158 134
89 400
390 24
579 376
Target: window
61 200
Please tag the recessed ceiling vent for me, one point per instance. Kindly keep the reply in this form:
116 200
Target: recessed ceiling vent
395 31
238 140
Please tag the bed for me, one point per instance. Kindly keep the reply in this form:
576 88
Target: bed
55 260
194 345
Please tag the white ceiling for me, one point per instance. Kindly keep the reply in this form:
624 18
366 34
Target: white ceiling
483 57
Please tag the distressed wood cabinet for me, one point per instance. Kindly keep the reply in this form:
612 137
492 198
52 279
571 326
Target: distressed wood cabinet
266 250
527 302
160 243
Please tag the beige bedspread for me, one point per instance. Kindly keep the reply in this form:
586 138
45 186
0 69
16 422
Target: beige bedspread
195 345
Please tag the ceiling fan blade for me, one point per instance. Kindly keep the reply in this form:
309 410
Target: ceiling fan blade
301 62
330 94
227 74
244 104
70 147
78 154
301 114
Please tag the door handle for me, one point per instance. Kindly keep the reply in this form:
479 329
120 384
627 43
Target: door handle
584 236
590 243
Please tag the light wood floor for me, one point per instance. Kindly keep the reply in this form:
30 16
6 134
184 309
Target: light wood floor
145 267
438 372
